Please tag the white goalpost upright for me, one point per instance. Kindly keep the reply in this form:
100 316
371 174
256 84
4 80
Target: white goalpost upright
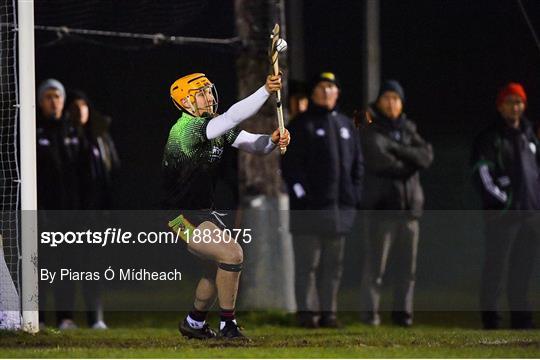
27 103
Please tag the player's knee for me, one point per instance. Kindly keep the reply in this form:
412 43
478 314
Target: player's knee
233 259
235 255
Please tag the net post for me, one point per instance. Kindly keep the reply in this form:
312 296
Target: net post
28 166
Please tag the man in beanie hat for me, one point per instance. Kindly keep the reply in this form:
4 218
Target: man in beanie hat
61 168
392 86
506 160
394 153
323 169
51 98
58 150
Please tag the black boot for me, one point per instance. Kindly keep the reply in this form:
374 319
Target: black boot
191 333
231 331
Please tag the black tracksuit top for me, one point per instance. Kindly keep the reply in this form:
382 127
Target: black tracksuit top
506 165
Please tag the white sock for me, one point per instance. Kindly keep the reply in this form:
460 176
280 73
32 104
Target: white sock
222 324
194 323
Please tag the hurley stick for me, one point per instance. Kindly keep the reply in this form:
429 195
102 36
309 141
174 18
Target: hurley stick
274 60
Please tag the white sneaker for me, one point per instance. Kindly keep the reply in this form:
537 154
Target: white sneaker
99 325
67 324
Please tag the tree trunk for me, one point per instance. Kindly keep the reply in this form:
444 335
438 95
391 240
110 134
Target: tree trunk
268 278
254 23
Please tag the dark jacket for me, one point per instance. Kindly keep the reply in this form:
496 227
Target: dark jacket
394 152
61 165
102 160
506 166
325 158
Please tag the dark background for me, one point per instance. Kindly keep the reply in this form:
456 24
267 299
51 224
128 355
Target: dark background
450 56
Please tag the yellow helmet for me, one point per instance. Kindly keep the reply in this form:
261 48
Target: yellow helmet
187 87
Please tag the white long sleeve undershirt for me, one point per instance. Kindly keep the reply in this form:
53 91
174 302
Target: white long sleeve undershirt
254 143
237 113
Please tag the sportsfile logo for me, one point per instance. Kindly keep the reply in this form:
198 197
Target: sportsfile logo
118 236
109 236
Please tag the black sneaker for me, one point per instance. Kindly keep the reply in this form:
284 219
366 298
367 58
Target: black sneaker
521 320
191 333
402 318
371 318
490 320
231 331
330 321
307 319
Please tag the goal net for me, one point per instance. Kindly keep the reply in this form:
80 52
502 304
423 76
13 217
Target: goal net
10 253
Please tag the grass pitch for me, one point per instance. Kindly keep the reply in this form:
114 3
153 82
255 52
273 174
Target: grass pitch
273 335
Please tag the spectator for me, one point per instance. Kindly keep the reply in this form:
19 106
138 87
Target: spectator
323 169
394 153
102 160
58 151
93 127
298 99
507 169
59 171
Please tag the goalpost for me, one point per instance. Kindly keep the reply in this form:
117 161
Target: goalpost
18 194
29 288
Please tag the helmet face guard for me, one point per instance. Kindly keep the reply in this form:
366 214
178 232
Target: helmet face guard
210 109
191 87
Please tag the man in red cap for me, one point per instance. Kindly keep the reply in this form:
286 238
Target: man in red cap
507 169
511 102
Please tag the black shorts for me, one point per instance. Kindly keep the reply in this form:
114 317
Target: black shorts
189 220
197 217
192 219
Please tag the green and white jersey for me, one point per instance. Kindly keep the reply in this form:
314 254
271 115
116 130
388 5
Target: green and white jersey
190 163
